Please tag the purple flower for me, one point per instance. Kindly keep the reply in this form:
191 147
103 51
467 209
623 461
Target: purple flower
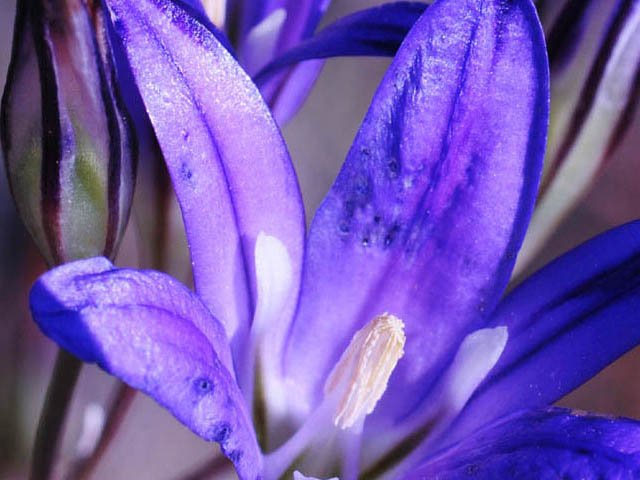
594 55
261 30
380 344
268 28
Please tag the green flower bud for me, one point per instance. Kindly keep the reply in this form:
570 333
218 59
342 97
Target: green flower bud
67 139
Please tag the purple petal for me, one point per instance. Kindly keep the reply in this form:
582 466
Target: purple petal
292 92
150 331
302 18
377 31
196 10
229 165
552 443
430 208
285 92
566 323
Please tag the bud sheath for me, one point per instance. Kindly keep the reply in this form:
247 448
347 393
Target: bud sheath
68 143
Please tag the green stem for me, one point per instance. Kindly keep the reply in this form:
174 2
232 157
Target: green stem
120 404
50 426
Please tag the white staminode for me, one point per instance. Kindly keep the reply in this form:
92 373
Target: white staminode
477 355
360 377
216 11
274 279
260 44
274 287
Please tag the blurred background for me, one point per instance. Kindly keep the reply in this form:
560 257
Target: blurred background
151 444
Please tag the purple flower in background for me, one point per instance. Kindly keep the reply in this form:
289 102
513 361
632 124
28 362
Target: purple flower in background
267 29
378 344
259 31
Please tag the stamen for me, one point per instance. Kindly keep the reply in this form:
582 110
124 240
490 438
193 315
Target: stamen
360 377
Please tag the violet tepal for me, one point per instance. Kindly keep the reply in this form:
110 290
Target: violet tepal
259 31
594 56
381 343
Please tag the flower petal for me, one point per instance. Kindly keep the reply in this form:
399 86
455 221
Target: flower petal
150 331
262 41
594 97
225 154
408 441
197 10
285 92
430 208
534 445
292 91
377 31
566 323
301 18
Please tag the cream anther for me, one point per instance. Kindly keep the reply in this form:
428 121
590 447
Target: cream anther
360 377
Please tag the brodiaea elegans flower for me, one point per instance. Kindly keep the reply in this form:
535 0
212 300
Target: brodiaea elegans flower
379 344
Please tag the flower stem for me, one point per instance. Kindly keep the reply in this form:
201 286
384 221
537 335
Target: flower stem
122 400
50 426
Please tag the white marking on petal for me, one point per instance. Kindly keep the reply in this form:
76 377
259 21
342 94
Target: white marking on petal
477 355
216 11
274 277
260 44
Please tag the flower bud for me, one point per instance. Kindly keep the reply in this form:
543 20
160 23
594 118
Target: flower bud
68 143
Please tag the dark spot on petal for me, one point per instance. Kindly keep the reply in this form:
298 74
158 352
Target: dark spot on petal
343 227
235 456
393 165
391 235
388 240
185 134
185 172
366 241
220 432
365 151
350 208
203 385
362 186
377 219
